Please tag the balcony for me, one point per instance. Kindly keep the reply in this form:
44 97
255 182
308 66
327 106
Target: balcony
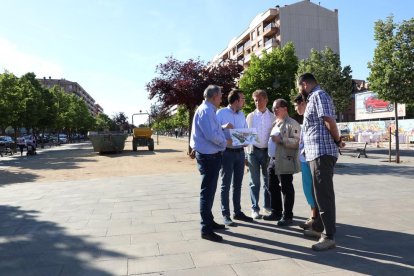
247 44
270 29
240 50
271 43
247 58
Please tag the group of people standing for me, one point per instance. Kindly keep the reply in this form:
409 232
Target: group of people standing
283 149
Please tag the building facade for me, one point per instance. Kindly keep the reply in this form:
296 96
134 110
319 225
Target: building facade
307 25
76 89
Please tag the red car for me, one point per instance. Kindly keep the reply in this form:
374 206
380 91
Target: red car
372 103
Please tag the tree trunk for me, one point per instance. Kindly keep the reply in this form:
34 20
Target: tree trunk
397 138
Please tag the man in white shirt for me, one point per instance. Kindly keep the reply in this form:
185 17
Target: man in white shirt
257 155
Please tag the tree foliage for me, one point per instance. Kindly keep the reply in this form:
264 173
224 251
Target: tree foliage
104 123
274 72
121 120
24 102
335 80
11 101
392 68
183 82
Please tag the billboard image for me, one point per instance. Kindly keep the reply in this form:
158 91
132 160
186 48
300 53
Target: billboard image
369 106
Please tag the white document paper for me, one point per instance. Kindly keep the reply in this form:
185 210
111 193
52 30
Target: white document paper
244 136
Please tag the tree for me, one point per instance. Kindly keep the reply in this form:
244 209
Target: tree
11 101
103 123
78 116
33 103
183 82
121 120
335 80
274 72
392 68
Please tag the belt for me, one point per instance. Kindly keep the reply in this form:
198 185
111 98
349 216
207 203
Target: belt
212 154
234 150
256 148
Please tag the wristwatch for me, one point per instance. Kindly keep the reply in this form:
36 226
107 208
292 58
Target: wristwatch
338 142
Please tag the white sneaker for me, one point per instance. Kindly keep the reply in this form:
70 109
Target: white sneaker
324 244
268 210
256 215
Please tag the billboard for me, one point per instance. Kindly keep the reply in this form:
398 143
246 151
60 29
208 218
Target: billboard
369 106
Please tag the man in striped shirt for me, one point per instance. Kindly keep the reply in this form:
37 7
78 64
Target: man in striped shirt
321 142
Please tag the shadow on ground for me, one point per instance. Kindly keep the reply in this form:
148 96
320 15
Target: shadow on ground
33 247
7 177
53 159
378 169
359 249
139 152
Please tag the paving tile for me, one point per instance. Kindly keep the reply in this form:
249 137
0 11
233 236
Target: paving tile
157 237
204 271
223 257
273 267
160 263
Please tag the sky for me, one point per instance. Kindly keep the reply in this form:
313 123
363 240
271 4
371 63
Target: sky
112 47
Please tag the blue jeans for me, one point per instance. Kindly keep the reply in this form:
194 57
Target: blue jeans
258 161
307 183
209 167
232 169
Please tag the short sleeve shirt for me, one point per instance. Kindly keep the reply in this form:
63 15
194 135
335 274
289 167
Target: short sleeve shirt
316 137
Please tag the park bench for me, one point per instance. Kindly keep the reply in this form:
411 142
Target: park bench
358 147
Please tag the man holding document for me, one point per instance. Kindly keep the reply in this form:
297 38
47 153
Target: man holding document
232 117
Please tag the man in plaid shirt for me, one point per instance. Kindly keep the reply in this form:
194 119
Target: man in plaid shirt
321 141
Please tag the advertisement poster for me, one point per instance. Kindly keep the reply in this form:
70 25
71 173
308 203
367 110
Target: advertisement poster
244 136
369 106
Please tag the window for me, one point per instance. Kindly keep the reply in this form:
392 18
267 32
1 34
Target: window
259 29
259 43
253 48
253 35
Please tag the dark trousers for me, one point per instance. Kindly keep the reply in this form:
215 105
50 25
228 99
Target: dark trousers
281 185
209 166
322 169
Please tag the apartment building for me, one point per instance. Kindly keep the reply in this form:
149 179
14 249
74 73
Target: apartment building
307 25
98 109
75 88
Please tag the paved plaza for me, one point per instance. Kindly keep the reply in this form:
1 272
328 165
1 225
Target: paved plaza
149 224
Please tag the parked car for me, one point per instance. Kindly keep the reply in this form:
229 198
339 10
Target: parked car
372 103
6 141
63 138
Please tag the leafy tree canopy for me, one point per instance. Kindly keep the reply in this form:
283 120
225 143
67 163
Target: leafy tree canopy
335 80
392 68
183 83
274 72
